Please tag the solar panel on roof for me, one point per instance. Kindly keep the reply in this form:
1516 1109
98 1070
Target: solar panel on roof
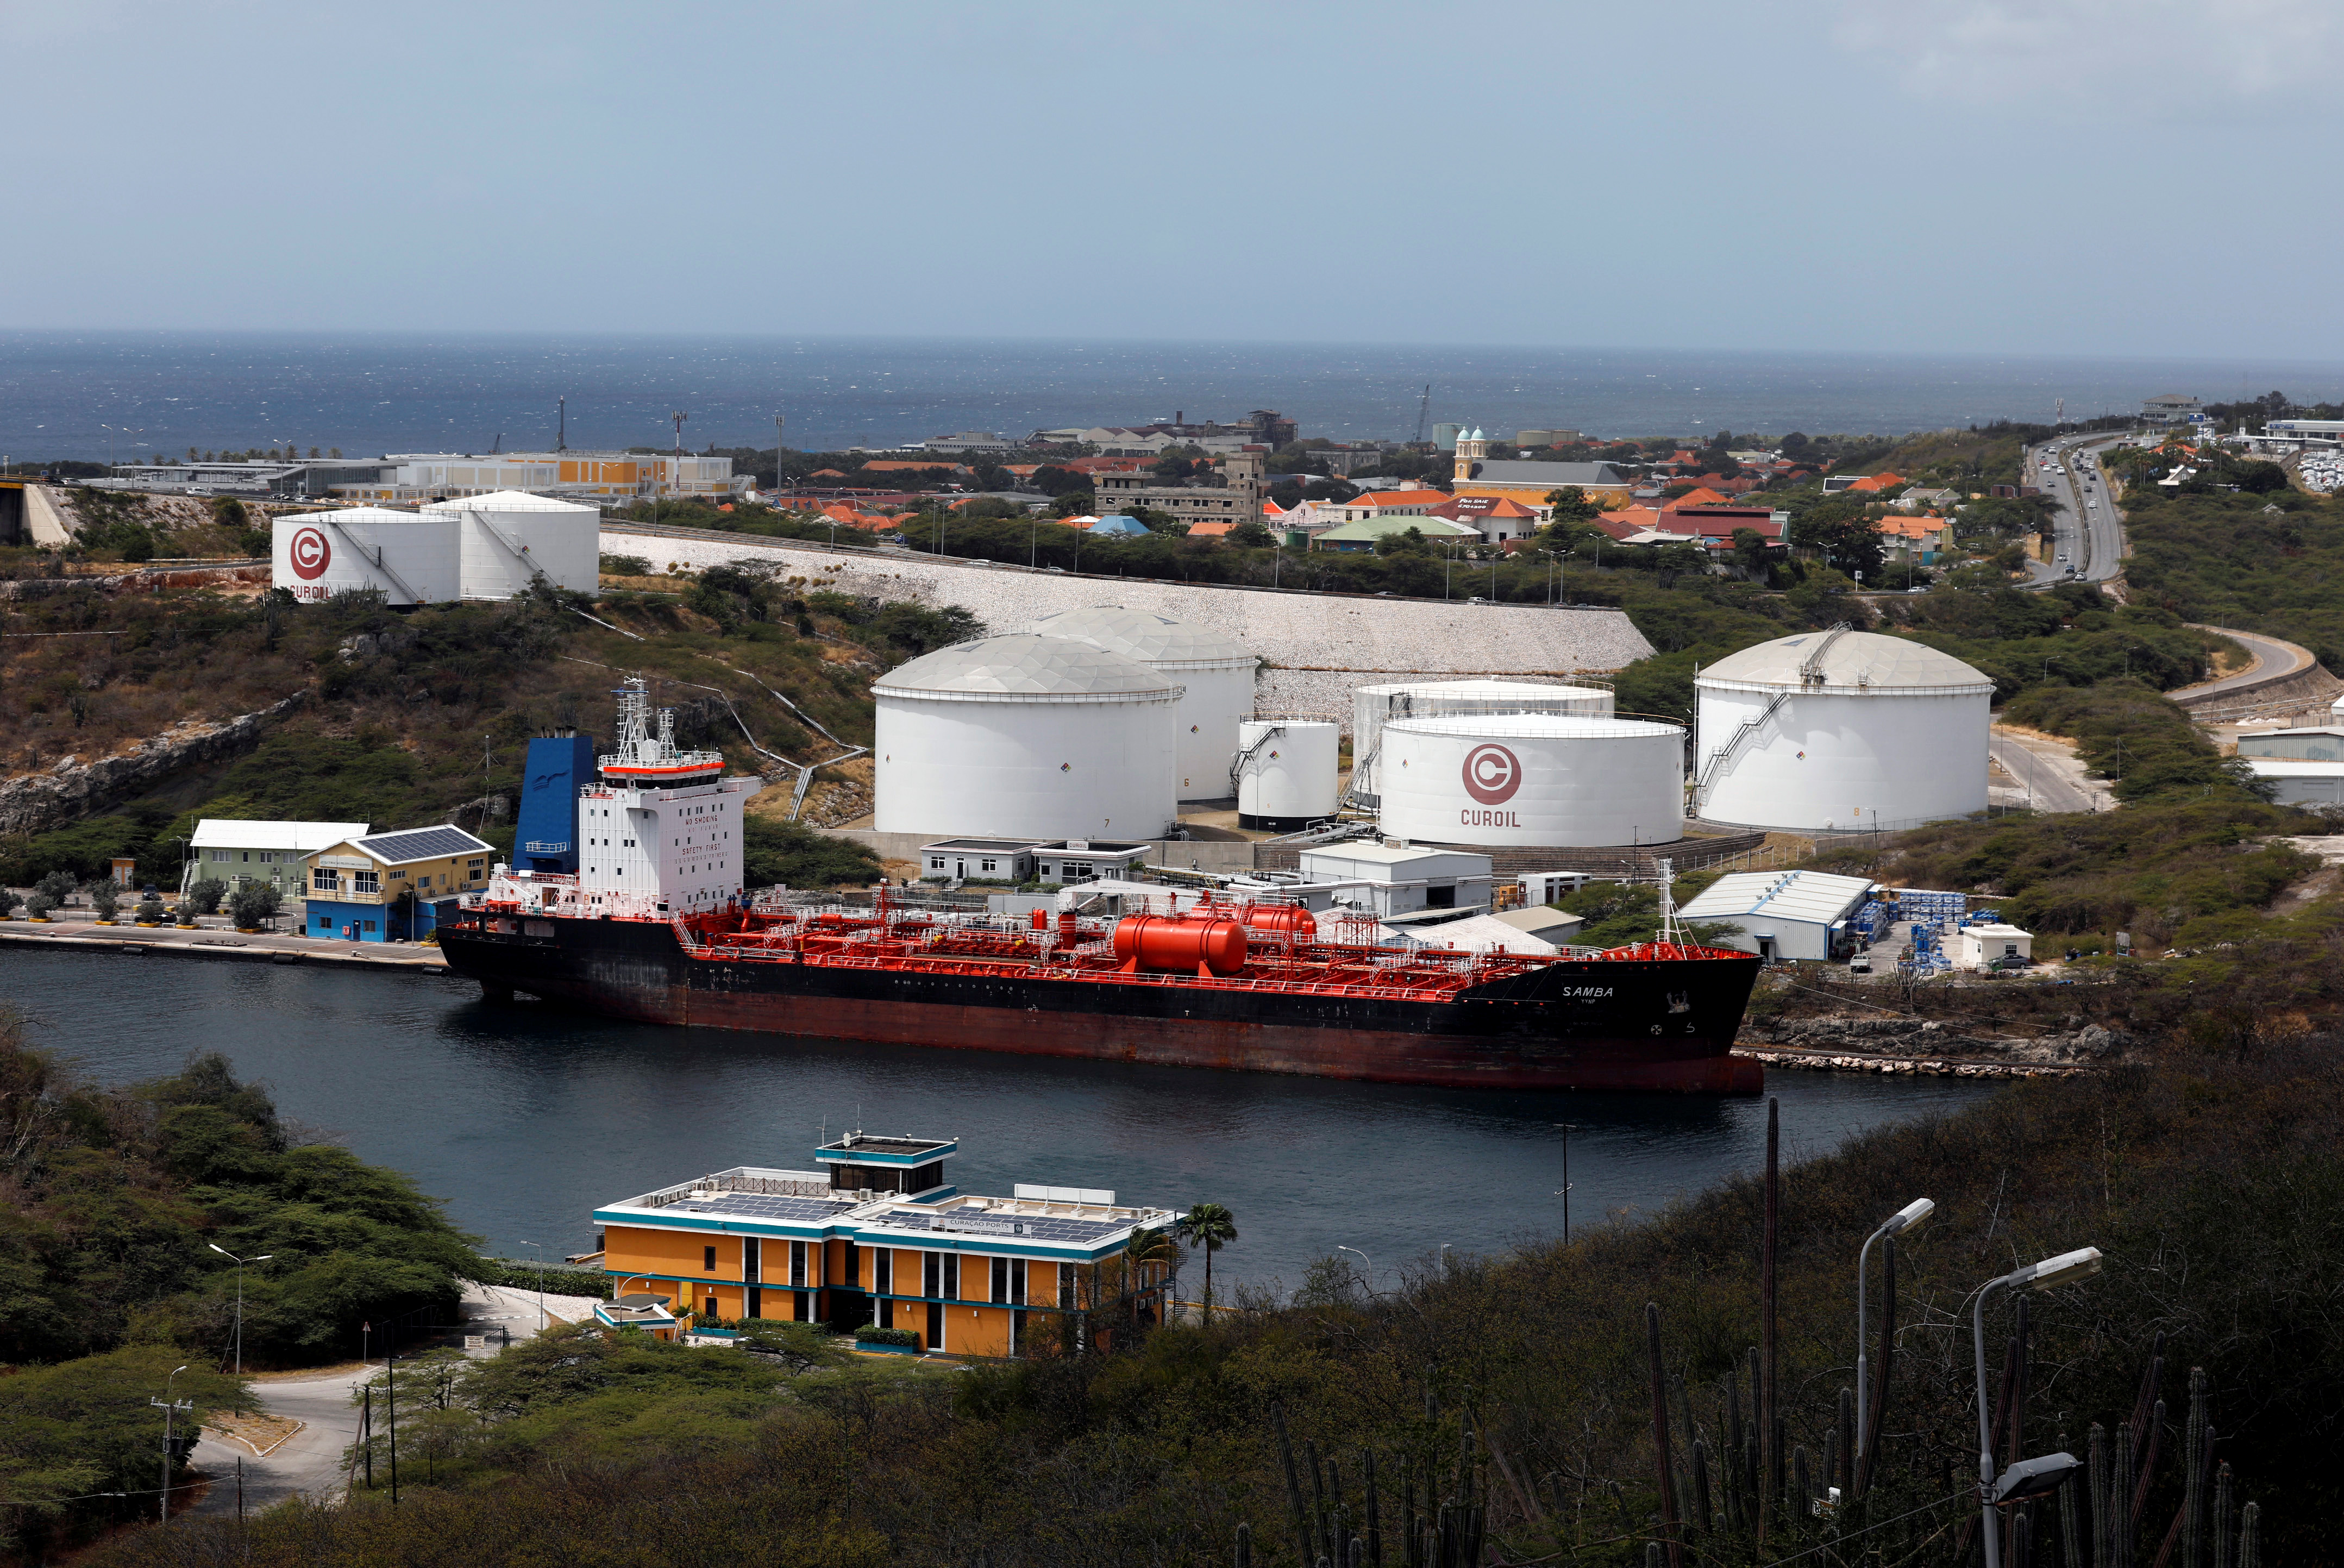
422 844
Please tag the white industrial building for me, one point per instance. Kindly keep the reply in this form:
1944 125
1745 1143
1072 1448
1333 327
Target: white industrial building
1781 914
485 547
1287 773
1393 878
1840 730
1025 736
1216 671
2304 766
1374 706
1532 780
1981 946
507 540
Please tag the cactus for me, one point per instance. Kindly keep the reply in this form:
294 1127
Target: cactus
1244 1553
2098 1471
2069 1546
2251 1519
1701 1506
2120 1501
2222 1502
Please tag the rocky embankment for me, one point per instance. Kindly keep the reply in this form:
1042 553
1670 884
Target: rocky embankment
71 788
1905 1044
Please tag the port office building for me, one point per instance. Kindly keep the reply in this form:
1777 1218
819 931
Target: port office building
392 886
876 1235
236 851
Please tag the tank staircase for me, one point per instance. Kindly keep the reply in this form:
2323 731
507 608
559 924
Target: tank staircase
1722 758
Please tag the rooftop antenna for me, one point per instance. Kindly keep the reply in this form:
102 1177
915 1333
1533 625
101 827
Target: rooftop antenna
1423 409
561 424
495 445
679 420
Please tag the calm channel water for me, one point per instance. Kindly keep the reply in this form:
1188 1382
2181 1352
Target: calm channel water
524 1118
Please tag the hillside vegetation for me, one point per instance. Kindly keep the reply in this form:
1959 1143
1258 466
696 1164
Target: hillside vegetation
2270 563
405 718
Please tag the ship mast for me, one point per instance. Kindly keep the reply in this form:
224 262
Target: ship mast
1668 903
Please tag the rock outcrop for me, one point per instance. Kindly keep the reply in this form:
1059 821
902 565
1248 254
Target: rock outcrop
72 789
1903 1038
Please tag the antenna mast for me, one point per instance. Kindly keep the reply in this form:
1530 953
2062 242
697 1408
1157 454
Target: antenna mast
679 419
1423 409
1668 903
561 425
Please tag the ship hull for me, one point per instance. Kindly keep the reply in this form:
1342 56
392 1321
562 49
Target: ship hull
1608 1024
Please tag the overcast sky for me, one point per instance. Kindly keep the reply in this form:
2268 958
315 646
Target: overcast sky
2102 177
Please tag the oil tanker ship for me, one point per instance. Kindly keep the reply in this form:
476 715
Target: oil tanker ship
655 927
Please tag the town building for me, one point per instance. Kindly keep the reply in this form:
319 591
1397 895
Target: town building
1530 482
1052 862
1917 540
876 1235
1502 519
1369 532
1990 943
239 851
392 886
2172 408
1236 499
971 441
612 477
2287 434
1409 500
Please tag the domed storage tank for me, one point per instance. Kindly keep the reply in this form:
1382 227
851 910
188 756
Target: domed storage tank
1287 773
1374 706
1024 736
1217 670
1544 780
1840 729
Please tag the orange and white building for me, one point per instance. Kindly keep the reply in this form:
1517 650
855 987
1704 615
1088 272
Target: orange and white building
876 1235
405 478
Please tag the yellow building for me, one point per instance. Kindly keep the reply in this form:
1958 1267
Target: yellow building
876 1236
390 887
1531 483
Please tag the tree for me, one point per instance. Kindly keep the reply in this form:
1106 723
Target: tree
1849 540
775 853
255 904
1211 1227
1750 551
205 897
150 910
8 902
1073 503
106 897
1173 470
1152 1247
1570 504
1252 534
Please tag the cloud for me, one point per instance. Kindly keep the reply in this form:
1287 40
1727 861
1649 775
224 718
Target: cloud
2150 55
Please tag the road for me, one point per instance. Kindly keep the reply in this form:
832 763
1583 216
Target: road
2085 530
309 1463
2274 661
2049 770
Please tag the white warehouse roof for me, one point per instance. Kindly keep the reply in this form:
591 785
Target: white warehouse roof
1853 662
1024 667
1814 896
301 837
1157 640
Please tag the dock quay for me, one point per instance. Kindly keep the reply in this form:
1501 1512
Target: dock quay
212 942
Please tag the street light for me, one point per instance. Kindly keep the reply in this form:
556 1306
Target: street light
1364 1258
2023 1480
1564 1190
240 1262
1896 1224
170 1410
540 1284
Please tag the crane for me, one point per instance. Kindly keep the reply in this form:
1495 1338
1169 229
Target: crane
1423 409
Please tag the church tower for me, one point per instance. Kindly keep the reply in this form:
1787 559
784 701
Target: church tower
1470 448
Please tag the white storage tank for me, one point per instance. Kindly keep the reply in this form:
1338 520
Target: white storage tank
1840 730
506 538
1374 706
408 557
1024 736
1545 780
1216 669
1287 773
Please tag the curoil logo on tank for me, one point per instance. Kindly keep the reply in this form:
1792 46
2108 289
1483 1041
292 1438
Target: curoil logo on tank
311 555
1492 774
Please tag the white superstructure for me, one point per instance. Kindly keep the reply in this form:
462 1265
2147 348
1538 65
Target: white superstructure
1840 730
658 834
405 556
507 540
1287 773
1216 671
1374 706
1544 780
1025 736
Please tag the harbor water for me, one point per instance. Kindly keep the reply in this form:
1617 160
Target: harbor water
523 1119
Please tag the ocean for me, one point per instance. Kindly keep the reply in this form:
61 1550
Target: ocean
107 396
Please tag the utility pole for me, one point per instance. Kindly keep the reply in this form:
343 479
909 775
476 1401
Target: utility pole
561 424
163 1499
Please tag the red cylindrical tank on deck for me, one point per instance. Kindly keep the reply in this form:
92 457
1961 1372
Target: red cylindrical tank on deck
1168 941
1041 920
1067 930
1283 917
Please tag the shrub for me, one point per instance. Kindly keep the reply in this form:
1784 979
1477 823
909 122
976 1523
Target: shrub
204 898
106 897
872 1334
626 566
59 886
40 904
150 908
9 899
253 904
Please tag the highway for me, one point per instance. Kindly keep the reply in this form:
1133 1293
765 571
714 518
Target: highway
2085 530
2049 770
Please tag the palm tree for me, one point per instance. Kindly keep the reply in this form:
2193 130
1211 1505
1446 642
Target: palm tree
1211 1227
1150 1247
